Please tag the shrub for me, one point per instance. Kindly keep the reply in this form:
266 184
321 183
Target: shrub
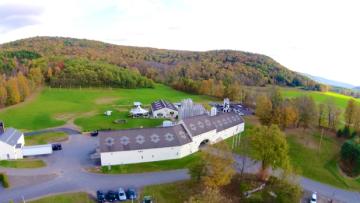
4 180
339 133
346 132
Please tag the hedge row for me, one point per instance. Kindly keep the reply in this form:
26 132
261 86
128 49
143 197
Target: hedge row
4 180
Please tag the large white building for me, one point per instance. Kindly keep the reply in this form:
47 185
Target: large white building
164 143
11 143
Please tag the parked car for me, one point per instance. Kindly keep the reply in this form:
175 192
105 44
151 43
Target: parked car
94 133
131 193
100 196
111 196
56 147
313 198
122 194
147 199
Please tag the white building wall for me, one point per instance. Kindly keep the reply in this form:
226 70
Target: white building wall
224 134
6 151
10 152
137 156
166 112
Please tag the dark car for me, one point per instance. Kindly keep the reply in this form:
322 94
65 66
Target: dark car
94 133
56 147
111 196
100 196
131 193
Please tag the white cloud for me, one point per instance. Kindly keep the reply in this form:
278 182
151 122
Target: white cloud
317 37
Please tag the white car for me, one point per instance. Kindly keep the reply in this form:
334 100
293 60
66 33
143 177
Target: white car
313 198
122 195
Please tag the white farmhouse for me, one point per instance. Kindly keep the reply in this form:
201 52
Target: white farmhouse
164 143
11 143
163 109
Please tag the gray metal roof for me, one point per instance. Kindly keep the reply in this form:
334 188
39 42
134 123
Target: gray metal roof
11 136
143 138
204 123
160 104
223 121
148 138
198 124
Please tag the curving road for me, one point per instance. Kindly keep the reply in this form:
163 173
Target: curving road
67 172
68 166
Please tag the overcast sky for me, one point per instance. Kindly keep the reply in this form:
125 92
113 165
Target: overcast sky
319 37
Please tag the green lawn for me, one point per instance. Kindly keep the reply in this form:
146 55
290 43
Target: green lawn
320 165
99 121
177 192
45 138
55 106
23 163
339 99
80 197
185 162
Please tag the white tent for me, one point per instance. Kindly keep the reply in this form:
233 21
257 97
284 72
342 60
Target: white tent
108 113
138 111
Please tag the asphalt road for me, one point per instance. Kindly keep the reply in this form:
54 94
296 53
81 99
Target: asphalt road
68 166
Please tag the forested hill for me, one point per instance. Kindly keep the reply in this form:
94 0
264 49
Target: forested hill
183 69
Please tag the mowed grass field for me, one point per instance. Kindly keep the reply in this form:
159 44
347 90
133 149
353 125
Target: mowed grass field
23 163
46 138
54 107
339 99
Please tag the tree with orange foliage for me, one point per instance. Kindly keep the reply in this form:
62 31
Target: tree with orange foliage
23 85
3 92
12 91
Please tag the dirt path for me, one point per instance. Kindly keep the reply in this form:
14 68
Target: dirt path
27 100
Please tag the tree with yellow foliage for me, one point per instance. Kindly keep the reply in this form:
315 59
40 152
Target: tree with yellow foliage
12 91
23 85
219 165
264 109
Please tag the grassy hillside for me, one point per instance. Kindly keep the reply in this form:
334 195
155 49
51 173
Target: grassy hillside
339 99
55 107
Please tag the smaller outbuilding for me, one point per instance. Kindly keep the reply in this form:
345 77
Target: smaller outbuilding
37 150
163 109
11 143
108 113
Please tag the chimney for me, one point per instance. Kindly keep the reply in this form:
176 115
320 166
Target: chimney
2 127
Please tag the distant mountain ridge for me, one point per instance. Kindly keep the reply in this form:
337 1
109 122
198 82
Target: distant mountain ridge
331 82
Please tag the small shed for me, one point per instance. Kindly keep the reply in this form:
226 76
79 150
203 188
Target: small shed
37 150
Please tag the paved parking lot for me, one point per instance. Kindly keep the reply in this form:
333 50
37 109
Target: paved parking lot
68 165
